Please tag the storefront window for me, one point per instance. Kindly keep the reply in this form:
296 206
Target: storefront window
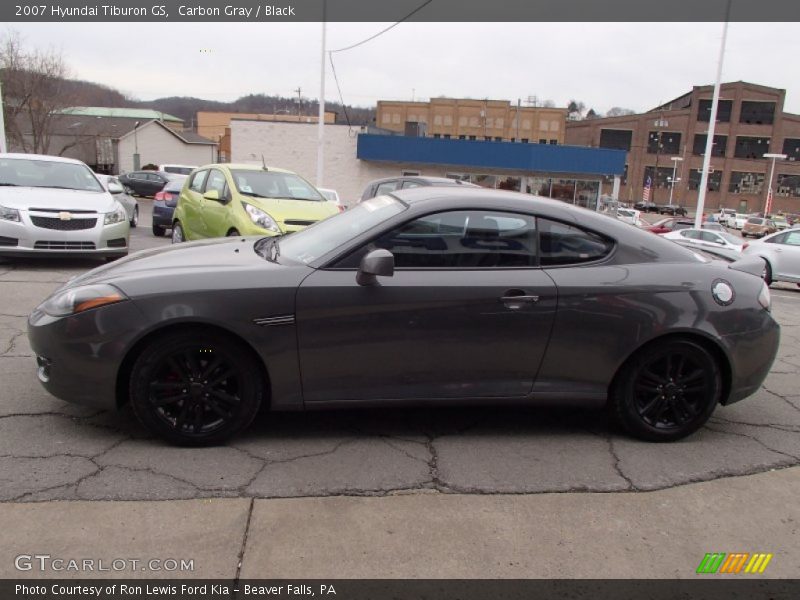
586 194
564 189
509 183
539 186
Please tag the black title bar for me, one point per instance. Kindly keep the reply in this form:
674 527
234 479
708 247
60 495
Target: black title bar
288 11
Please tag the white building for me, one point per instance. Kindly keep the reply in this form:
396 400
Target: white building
158 144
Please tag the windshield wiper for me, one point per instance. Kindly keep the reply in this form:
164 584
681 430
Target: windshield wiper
254 194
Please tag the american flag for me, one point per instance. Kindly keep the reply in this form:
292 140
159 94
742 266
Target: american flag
646 193
768 206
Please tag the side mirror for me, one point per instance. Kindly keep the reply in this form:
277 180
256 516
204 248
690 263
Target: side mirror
378 263
115 188
212 195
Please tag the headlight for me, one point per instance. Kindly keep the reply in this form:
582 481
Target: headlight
76 300
260 218
9 214
118 216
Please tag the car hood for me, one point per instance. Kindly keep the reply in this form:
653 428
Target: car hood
24 198
302 210
190 265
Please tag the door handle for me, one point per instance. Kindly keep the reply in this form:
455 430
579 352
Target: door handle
514 299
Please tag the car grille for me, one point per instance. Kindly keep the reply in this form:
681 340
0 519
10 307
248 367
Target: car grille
63 225
60 245
298 222
8 241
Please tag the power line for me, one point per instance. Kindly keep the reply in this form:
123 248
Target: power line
362 42
408 16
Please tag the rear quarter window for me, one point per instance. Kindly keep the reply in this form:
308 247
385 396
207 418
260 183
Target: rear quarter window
561 244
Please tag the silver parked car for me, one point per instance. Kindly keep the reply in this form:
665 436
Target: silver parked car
55 205
114 187
781 251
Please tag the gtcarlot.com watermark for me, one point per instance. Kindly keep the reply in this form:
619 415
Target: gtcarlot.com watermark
46 563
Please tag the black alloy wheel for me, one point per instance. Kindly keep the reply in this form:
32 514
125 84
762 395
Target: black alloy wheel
195 388
668 391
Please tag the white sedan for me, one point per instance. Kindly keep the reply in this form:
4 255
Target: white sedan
55 205
706 237
781 251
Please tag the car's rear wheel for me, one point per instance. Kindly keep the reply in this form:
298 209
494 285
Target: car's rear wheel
135 217
159 231
196 389
177 233
667 391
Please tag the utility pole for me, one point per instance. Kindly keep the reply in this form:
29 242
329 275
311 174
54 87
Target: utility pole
519 101
299 101
3 146
321 117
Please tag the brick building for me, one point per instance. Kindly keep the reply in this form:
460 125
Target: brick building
464 119
751 122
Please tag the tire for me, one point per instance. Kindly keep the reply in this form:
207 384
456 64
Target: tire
233 233
667 391
135 217
159 231
767 274
171 396
177 233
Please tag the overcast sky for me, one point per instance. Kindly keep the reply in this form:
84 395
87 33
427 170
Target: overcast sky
632 65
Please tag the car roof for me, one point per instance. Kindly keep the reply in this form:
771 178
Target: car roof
45 157
423 179
245 167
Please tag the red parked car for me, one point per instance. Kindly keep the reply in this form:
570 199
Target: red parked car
670 224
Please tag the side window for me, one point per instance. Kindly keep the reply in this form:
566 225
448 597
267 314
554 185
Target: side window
216 181
386 187
198 179
407 185
711 237
153 177
690 233
562 244
459 240
792 238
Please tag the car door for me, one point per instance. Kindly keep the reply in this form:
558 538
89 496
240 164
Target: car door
785 255
214 213
467 314
191 203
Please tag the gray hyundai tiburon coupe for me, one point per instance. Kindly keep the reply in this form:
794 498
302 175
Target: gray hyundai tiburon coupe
426 296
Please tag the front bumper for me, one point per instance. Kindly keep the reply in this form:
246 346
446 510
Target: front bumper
28 237
79 356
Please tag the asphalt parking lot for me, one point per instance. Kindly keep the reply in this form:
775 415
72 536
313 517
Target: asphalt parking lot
51 450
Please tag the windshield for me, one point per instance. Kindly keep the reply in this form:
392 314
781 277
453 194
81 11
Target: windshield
273 184
324 236
47 174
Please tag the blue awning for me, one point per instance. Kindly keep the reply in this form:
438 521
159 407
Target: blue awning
519 157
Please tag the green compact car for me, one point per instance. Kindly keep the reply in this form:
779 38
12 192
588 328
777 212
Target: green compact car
225 200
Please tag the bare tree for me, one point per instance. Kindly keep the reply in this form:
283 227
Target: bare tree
34 91
616 111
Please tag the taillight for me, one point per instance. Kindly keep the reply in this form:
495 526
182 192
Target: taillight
764 298
159 196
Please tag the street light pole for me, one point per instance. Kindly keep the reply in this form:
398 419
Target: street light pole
675 160
659 124
768 202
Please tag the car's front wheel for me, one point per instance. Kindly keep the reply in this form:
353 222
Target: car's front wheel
667 391
177 233
196 389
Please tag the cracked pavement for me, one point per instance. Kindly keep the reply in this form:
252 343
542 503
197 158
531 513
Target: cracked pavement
50 450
